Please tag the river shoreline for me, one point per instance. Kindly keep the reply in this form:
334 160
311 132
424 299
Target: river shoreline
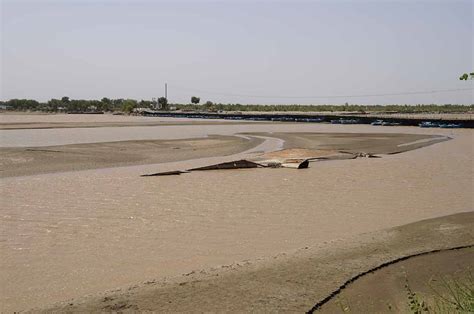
75 233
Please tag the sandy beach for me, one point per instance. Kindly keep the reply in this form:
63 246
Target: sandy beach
295 282
87 223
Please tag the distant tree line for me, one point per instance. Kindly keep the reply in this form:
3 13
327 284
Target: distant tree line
77 105
466 76
65 104
420 108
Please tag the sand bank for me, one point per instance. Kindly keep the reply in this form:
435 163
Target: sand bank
384 290
65 235
17 161
49 159
109 124
67 136
297 281
38 121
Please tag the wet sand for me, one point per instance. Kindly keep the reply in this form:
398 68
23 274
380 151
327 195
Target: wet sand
83 135
49 159
374 143
65 235
18 161
295 282
384 290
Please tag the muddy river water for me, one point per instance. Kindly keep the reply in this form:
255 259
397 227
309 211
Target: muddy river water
68 234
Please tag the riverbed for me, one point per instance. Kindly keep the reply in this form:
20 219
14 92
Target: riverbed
69 234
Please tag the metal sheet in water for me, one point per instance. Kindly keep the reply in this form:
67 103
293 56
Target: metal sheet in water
238 164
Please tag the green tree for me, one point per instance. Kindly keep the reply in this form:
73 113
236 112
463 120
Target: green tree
118 103
128 105
106 104
163 102
54 104
195 100
209 105
465 76
94 105
146 104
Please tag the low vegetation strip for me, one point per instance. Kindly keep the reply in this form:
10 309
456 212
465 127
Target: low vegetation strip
65 104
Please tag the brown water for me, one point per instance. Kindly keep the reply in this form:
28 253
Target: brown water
69 234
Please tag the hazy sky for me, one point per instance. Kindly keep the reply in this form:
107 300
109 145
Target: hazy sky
233 51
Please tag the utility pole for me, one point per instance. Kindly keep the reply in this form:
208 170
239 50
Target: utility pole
165 104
